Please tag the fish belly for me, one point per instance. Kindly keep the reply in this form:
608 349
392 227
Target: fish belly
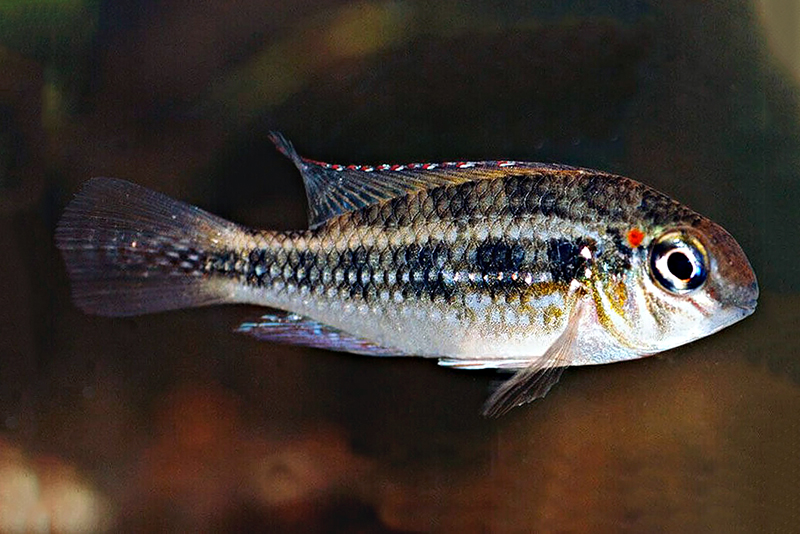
461 321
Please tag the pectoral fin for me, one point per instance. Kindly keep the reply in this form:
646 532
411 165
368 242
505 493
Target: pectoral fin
535 381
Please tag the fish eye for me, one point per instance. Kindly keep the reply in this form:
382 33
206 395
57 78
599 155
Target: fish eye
678 262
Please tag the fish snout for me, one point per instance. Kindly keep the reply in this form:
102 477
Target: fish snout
746 298
735 280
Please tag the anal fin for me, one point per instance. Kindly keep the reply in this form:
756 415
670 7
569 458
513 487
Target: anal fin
293 329
488 363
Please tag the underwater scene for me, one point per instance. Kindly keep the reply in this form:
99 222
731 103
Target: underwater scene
176 420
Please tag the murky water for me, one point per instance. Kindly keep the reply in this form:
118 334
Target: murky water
174 422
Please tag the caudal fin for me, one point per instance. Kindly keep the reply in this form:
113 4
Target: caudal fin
130 251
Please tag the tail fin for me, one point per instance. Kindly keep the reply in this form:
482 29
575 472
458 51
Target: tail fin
131 251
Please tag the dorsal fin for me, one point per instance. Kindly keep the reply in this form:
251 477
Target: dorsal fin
333 190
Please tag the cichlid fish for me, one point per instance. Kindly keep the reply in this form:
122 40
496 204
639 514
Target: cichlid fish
499 264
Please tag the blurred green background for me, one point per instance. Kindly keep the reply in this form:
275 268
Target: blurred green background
173 422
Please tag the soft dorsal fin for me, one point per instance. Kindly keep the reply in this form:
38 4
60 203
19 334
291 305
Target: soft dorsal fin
334 189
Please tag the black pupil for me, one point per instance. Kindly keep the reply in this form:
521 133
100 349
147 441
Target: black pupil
680 266
677 265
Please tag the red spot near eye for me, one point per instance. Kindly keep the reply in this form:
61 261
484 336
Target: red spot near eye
635 237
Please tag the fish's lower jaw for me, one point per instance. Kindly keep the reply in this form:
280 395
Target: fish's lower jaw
745 308
730 317
692 333
747 311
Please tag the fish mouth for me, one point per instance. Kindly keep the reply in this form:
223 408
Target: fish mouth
747 309
746 299
752 298
742 304
730 316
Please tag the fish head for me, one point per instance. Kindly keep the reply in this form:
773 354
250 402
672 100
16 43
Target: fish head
686 282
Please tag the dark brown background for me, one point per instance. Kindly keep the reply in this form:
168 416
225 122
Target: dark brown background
173 422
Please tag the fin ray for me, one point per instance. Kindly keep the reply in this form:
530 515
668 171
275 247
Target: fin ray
333 190
293 329
489 363
130 250
534 381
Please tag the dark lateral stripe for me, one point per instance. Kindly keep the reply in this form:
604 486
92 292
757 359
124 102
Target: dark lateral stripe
565 260
490 266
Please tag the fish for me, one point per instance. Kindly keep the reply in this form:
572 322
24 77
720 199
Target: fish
526 268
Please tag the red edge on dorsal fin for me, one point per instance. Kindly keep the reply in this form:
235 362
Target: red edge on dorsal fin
286 148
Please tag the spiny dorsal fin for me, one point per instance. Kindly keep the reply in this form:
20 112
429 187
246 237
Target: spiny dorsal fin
333 189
